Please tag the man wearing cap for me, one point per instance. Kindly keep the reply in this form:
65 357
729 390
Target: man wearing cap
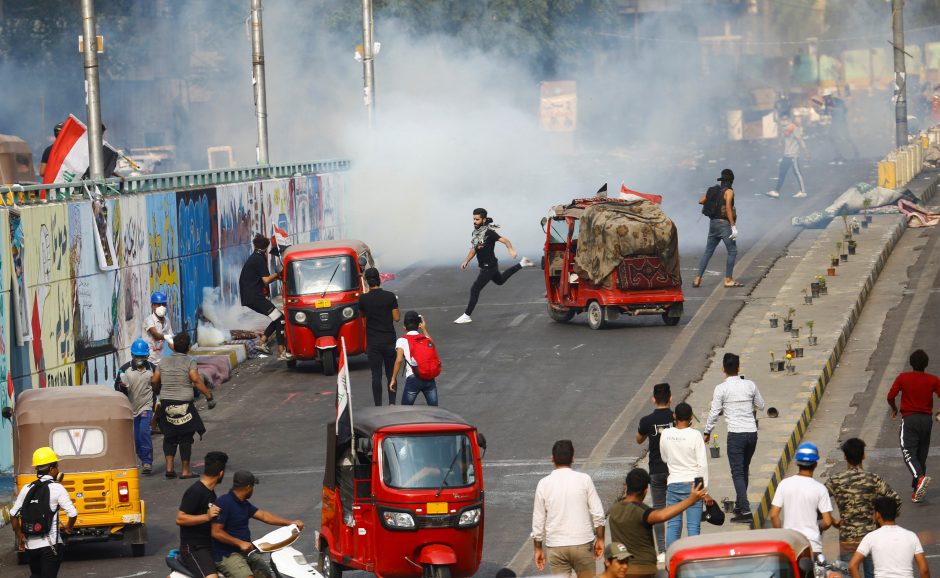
800 497
718 205
380 309
616 561
231 537
157 328
44 553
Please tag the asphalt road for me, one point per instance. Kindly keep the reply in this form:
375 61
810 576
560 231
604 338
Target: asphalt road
524 380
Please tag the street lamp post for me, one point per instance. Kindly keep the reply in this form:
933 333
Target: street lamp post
257 79
92 95
368 59
900 74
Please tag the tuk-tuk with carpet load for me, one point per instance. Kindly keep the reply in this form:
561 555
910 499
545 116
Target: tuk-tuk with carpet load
91 430
610 257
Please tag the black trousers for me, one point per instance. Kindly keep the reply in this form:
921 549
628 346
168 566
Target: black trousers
266 308
381 357
914 437
45 562
485 276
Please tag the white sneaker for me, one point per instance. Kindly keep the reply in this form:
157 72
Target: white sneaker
526 262
799 195
773 194
661 558
285 356
463 319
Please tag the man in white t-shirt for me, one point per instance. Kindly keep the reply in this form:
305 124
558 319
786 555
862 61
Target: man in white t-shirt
414 327
800 497
157 329
683 450
891 547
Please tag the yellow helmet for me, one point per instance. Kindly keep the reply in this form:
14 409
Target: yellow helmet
44 456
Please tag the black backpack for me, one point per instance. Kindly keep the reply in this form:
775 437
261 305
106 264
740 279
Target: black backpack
36 518
714 198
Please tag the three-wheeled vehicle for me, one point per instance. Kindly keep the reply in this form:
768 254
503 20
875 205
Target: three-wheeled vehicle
322 284
778 553
403 496
91 430
608 257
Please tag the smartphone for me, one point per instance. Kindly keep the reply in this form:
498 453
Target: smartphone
698 482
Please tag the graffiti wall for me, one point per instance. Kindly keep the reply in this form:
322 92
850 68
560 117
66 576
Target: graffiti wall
64 321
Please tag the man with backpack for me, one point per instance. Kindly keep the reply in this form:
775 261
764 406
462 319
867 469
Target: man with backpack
422 364
36 516
718 205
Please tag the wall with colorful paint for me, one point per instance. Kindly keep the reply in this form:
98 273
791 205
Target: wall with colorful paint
65 321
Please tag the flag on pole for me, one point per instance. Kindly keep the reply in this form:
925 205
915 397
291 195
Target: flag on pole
343 398
68 158
631 195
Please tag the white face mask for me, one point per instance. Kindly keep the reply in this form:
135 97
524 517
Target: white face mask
160 311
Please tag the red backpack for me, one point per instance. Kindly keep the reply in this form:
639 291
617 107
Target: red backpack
427 363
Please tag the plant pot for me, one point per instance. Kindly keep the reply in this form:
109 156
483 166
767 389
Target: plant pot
790 353
781 365
774 322
852 249
867 220
788 325
835 262
865 223
831 271
808 299
776 366
855 229
799 352
844 257
814 289
728 505
715 452
791 369
812 339
823 290
795 332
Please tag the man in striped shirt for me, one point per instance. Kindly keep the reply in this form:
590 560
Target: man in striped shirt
739 399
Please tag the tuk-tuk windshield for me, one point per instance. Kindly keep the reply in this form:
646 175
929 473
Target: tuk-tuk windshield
431 461
559 230
322 275
765 566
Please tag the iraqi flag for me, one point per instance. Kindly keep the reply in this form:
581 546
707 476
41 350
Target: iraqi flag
68 159
631 195
343 399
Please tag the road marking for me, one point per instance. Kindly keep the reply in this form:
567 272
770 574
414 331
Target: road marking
144 573
518 319
578 346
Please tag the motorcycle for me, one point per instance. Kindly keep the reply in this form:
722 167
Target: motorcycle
285 561
834 569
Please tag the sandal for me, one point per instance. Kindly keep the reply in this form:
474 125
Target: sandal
697 284
735 284
170 475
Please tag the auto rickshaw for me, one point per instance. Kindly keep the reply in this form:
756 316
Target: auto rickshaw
610 257
322 284
770 552
403 496
91 430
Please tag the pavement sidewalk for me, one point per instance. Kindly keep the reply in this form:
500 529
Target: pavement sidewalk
796 395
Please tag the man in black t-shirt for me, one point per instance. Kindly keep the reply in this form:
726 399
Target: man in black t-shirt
195 515
44 160
252 288
380 309
649 429
483 244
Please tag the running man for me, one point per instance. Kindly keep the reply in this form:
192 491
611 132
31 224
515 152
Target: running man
483 244
792 145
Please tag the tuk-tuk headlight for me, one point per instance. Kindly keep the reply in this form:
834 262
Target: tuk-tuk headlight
300 317
398 520
348 312
469 517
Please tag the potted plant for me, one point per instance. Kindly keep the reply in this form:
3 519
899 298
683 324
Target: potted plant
853 245
831 271
788 320
823 290
773 321
855 226
774 364
811 337
814 289
791 369
790 352
847 229
867 204
833 261
714 449
798 349
842 256
795 332
807 299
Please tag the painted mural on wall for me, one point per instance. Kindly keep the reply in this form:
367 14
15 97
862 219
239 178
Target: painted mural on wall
307 208
198 229
163 253
130 228
18 262
235 233
95 292
331 188
6 379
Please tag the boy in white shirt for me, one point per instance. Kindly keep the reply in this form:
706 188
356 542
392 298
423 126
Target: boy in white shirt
891 547
683 450
800 497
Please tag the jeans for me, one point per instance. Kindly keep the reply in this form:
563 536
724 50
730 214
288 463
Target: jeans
658 492
868 567
719 230
486 275
741 448
381 357
675 493
142 442
414 385
786 163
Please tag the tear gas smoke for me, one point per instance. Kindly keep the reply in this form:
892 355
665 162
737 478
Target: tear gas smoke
219 318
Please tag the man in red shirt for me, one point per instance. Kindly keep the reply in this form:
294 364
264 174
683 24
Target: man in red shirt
917 389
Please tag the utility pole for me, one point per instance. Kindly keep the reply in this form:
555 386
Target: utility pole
257 79
92 95
368 58
900 74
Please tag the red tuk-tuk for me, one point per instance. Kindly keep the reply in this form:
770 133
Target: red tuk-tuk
322 284
403 496
771 552
609 257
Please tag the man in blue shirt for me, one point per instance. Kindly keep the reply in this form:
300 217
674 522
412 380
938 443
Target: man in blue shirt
232 549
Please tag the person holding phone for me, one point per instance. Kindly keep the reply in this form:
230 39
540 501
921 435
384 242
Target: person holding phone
683 450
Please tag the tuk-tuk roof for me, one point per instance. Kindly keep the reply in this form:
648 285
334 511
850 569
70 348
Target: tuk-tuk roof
796 541
577 206
370 419
354 245
40 411
13 144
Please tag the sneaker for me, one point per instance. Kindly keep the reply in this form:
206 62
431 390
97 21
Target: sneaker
285 356
463 319
915 499
661 558
921 488
263 348
743 518
773 194
146 469
799 195
526 262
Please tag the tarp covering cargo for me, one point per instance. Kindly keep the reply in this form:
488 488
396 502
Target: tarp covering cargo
612 231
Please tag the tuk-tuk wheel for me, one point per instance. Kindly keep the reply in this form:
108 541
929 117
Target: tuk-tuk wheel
560 315
291 363
436 571
670 321
597 315
138 550
328 360
327 568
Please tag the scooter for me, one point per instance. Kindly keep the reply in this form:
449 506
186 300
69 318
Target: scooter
286 561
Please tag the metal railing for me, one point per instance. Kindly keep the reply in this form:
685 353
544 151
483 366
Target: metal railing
115 186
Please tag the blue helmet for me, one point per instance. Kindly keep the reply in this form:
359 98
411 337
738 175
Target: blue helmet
158 297
140 348
807 454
